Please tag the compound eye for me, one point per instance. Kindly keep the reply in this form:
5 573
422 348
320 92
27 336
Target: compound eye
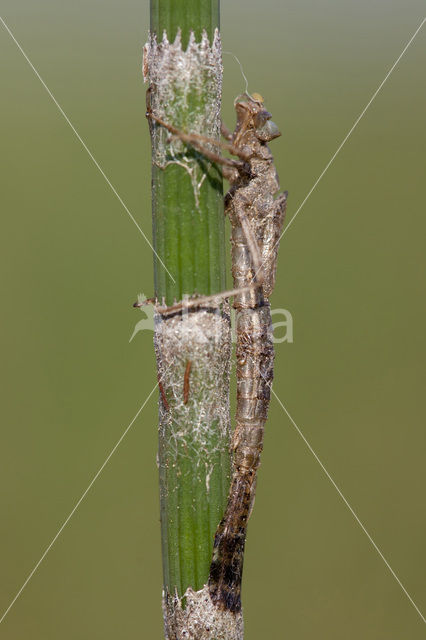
268 132
261 118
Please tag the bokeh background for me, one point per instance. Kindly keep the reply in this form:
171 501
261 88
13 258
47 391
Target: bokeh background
350 272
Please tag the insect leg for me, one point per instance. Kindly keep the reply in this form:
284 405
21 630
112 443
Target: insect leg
200 301
196 140
226 133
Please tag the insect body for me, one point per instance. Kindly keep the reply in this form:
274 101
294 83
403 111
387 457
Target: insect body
256 217
256 222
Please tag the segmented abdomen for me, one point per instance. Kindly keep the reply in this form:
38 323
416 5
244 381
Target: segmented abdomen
254 353
255 358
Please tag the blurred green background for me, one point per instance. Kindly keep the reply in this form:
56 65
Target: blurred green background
350 272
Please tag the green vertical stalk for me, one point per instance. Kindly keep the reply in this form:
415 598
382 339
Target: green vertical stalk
185 15
183 67
188 238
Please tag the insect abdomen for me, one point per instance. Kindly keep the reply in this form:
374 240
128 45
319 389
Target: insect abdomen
255 358
228 551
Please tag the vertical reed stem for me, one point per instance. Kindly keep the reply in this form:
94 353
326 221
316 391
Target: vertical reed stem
182 63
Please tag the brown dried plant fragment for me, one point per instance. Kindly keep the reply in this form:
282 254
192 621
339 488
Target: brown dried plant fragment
186 382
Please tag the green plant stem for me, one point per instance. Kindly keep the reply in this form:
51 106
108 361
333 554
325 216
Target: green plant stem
188 230
188 238
187 15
